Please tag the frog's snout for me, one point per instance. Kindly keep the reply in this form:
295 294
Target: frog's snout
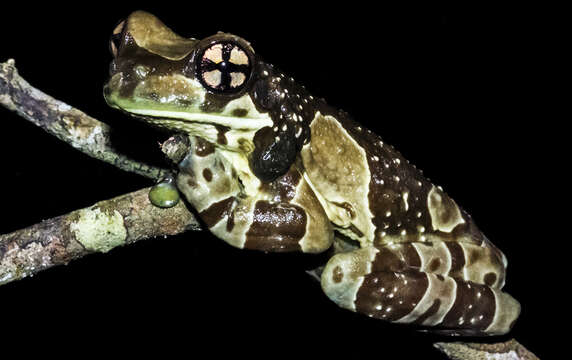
112 86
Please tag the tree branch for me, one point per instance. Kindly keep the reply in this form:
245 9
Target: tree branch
510 350
107 224
99 228
68 124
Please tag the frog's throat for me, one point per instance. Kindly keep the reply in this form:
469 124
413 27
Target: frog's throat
230 139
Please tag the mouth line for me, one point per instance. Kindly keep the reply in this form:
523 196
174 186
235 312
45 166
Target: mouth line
160 120
242 123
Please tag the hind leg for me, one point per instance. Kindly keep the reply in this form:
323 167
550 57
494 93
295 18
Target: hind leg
450 287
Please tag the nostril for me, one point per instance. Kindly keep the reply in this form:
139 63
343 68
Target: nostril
112 68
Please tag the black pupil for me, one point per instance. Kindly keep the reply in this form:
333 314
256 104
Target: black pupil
226 67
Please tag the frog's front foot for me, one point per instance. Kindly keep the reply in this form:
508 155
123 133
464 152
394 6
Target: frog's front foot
403 284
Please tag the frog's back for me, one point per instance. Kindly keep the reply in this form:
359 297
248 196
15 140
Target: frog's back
356 171
374 195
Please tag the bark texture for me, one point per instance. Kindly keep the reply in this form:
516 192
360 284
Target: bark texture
120 221
510 350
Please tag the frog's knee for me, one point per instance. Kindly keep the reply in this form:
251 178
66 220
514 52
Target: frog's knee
344 274
507 310
319 234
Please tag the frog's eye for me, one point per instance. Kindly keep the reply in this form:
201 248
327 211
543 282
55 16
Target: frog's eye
115 39
224 67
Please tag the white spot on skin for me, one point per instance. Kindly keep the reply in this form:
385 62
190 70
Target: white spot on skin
405 196
298 132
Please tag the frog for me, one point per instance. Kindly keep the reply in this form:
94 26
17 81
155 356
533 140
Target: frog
272 168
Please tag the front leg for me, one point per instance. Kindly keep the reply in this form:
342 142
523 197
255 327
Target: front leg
282 215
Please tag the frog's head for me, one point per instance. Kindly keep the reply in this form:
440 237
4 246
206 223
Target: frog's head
216 88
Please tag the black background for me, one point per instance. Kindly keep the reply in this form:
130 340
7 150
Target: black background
454 89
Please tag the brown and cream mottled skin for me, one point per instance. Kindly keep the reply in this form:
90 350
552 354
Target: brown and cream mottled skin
274 169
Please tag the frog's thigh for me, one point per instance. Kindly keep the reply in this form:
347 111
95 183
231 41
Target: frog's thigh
296 222
393 284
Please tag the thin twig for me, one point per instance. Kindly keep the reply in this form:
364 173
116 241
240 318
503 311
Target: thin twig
68 124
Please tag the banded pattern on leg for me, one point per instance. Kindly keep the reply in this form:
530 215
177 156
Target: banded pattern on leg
481 264
283 215
432 285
